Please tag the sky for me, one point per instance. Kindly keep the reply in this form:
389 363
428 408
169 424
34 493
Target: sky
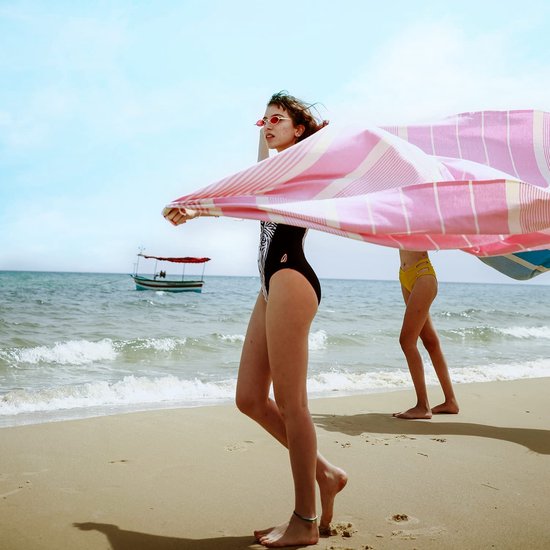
109 110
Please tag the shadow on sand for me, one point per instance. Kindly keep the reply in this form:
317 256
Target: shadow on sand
535 440
120 539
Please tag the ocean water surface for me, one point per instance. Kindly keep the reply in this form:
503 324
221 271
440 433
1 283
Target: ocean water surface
74 345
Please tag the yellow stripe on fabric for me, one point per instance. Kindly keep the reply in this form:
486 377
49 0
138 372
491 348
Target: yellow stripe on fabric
526 264
213 210
514 207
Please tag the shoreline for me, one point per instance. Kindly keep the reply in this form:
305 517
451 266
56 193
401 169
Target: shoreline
202 478
33 418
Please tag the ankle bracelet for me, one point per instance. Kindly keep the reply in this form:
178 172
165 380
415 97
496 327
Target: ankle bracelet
304 518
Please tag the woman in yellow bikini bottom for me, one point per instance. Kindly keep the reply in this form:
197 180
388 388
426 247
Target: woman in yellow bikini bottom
418 324
421 268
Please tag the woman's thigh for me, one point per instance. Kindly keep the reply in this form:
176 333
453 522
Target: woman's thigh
254 377
418 305
291 307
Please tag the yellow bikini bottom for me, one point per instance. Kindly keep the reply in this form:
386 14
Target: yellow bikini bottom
409 277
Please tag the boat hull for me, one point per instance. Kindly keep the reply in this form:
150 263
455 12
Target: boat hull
144 283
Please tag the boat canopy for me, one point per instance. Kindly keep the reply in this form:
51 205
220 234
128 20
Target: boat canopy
184 260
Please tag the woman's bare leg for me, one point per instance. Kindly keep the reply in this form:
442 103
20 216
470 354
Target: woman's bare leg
430 339
416 314
253 400
290 310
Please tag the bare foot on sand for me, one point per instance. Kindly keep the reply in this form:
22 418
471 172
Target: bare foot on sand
449 407
331 482
414 414
295 532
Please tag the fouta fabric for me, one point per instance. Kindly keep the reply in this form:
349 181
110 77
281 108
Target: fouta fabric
478 182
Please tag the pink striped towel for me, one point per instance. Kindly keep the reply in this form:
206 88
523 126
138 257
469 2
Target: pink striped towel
479 182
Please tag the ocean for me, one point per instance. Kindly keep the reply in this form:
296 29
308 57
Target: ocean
75 345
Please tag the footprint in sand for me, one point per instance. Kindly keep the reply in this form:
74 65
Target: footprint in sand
344 529
240 446
413 534
400 519
9 493
386 440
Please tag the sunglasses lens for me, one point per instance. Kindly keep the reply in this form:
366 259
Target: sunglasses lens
275 119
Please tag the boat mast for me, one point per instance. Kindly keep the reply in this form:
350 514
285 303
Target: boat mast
136 265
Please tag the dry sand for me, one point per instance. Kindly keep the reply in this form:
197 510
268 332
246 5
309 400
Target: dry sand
204 478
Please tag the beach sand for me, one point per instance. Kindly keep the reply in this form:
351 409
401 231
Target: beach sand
204 478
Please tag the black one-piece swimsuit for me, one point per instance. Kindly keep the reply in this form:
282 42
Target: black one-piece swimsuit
282 247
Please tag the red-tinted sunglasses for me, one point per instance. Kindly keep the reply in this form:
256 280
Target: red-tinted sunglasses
275 119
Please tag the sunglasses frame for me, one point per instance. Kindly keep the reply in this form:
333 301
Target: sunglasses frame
263 121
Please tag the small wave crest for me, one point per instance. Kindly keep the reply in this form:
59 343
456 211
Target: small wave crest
347 381
485 333
526 332
231 338
73 352
317 340
131 390
85 352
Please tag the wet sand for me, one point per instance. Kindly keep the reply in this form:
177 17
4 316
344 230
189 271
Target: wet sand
204 478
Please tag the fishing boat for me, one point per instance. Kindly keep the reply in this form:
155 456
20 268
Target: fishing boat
169 283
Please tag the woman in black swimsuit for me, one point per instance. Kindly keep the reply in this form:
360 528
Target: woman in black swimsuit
275 350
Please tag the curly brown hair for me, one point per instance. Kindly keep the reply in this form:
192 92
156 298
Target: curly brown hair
299 111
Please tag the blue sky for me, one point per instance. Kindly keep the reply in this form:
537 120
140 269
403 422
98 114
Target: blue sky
109 110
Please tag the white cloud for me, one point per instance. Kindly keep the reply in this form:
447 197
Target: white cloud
438 69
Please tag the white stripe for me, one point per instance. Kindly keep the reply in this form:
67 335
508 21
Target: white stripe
368 162
467 240
459 149
513 205
438 208
522 247
436 246
538 145
401 247
483 138
508 143
472 204
432 139
403 132
402 197
371 218
356 236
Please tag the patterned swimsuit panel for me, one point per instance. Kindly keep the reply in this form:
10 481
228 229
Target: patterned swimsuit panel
282 247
